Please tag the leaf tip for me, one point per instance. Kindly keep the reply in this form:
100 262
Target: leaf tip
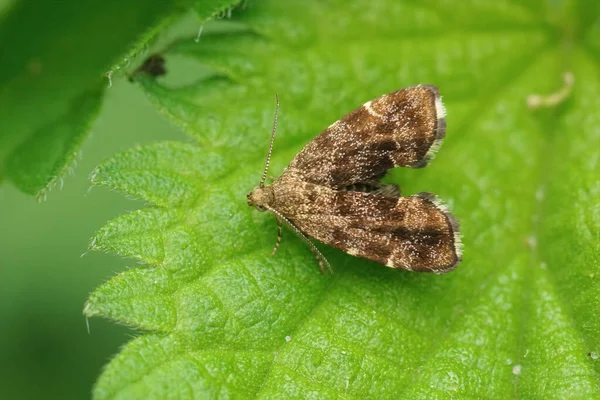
93 177
89 310
92 245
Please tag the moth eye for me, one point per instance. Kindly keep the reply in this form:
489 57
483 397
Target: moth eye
261 208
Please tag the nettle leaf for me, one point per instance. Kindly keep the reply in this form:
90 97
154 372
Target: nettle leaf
52 66
518 318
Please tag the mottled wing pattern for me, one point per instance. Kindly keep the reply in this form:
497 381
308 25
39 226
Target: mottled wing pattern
331 190
415 233
400 129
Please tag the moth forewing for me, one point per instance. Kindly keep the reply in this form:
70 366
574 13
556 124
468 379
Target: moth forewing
331 190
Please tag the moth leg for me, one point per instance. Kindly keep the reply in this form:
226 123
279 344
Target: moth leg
323 263
279 234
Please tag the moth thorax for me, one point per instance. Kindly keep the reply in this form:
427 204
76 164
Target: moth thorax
261 197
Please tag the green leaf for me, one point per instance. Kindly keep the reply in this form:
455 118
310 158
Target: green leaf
517 319
52 66
42 158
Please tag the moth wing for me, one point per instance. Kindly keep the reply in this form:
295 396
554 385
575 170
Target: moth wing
414 233
400 129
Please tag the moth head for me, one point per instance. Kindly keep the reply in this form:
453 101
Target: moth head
261 197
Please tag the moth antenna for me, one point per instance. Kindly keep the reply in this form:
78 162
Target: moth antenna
264 176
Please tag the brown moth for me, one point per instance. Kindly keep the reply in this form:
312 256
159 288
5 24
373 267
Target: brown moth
331 191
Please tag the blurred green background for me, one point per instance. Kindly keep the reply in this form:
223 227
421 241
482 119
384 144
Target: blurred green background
45 349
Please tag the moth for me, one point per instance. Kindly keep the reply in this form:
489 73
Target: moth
332 190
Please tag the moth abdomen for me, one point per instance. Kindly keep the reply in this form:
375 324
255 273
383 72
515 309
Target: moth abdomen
385 189
360 187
